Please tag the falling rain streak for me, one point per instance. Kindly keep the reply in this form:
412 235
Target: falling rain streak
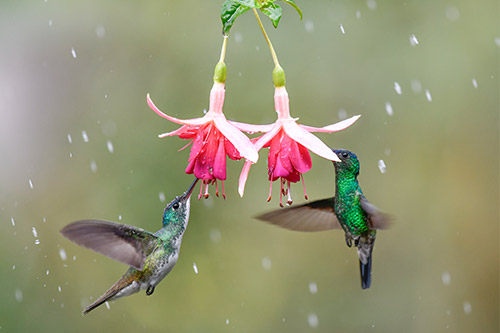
195 268
93 166
428 95
388 108
85 137
109 144
342 29
413 40
31 183
381 166
397 88
313 320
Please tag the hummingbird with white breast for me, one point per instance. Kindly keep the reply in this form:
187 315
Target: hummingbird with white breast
151 256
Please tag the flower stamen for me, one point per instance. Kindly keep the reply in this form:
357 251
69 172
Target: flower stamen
304 185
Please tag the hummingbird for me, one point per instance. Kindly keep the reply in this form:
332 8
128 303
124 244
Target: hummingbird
348 209
150 256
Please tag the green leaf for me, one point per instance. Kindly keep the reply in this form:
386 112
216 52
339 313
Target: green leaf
273 11
230 10
247 3
294 5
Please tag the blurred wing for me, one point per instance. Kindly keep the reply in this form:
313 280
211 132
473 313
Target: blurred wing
313 216
127 244
378 220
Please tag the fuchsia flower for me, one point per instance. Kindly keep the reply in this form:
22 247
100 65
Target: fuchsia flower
213 137
289 144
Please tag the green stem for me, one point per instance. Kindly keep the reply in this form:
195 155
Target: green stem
223 51
273 54
220 72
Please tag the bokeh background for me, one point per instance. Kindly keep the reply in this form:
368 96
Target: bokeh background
78 141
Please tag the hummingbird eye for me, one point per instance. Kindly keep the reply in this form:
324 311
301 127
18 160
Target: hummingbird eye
345 154
175 206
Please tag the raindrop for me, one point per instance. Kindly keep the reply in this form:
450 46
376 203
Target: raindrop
74 258
73 53
309 26
12 221
161 195
59 288
85 136
446 278
215 235
109 144
474 83
13 267
35 233
47 272
19 295
342 30
397 88
428 95
342 113
119 217
107 305
372 4
70 140
467 307
497 41
195 268
62 254
452 13
313 288
37 241
266 263
358 14
227 321
50 23
413 40
387 151
312 319
238 37
416 86
100 31
31 183
93 166
388 108
381 166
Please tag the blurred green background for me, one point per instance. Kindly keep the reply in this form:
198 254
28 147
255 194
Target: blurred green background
70 69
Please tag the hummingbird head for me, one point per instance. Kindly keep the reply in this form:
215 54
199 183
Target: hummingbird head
177 211
349 163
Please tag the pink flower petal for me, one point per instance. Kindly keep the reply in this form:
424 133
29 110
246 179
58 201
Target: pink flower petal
239 140
263 140
243 177
300 157
250 129
196 121
309 141
219 171
333 127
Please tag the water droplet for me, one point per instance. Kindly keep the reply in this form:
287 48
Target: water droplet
47 272
342 30
100 31
309 26
59 288
195 268
381 166
452 13
107 305
73 53
85 137
372 4
215 235
35 233
467 307
312 319
109 144
227 321
19 295
497 41
266 263
428 95
161 195
13 267
358 14
62 254
388 108
416 86
119 217
446 278
37 241
93 166
70 140
474 83
313 288
238 37
342 113
12 221
50 23
31 183
413 40
387 151
397 88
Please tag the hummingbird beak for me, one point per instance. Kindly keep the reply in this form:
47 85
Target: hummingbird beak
187 194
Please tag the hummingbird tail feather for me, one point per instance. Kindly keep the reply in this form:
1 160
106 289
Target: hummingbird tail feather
123 287
104 298
366 273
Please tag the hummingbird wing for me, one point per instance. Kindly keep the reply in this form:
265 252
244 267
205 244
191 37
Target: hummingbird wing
377 219
124 243
313 216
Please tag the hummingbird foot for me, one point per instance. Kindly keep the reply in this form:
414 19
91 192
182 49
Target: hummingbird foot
348 241
150 290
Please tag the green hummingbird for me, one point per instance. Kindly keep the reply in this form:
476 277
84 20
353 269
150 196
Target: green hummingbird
349 210
150 256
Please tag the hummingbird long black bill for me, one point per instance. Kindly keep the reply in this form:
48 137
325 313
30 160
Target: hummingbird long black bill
187 194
